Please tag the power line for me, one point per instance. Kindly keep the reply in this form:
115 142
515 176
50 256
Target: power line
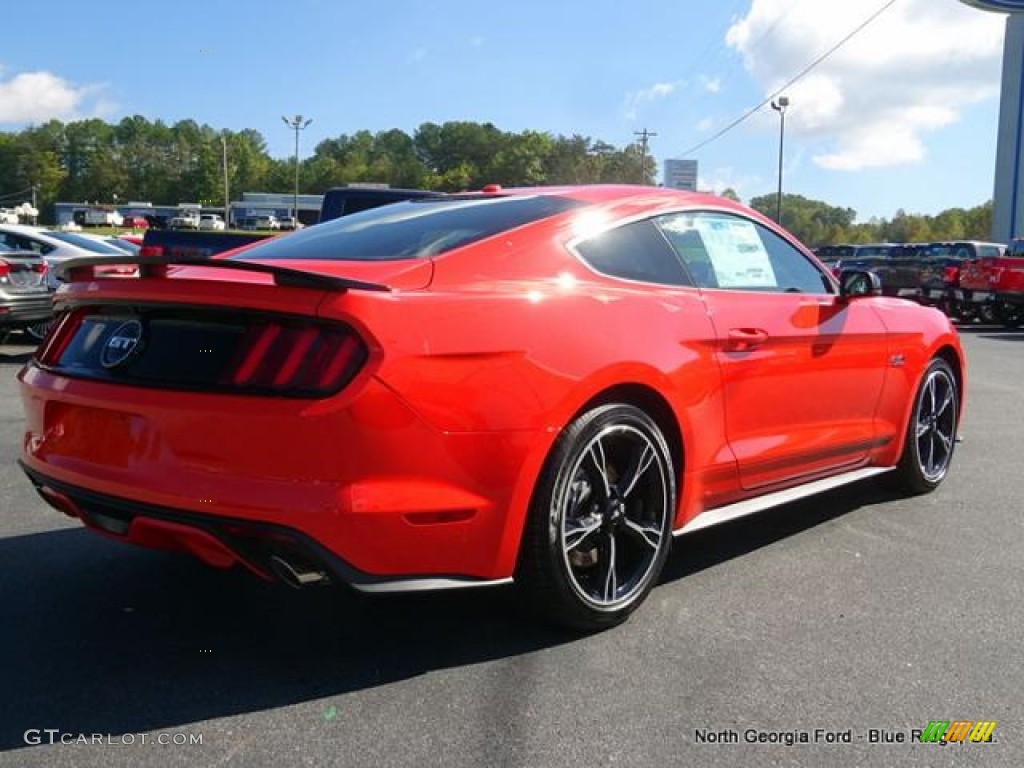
746 115
15 195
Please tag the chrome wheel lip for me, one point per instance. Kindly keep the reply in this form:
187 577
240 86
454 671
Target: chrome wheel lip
613 517
935 424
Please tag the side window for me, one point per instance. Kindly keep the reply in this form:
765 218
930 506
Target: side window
726 251
636 251
21 243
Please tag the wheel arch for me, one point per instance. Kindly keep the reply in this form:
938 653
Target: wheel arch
654 405
640 395
955 360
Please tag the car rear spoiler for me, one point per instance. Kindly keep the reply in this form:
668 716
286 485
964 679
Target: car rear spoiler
77 270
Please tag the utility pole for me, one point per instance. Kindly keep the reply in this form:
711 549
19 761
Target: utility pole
644 136
297 124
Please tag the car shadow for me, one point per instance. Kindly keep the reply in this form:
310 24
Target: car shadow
995 332
712 546
106 638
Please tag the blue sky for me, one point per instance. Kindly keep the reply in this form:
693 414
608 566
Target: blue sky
902 116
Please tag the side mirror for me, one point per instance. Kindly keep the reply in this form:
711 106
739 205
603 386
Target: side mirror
857 282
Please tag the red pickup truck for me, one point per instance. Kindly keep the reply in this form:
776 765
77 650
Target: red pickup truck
992 287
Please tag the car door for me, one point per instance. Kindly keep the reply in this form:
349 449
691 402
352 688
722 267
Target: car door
802 369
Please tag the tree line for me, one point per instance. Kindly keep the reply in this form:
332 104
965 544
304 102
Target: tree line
817 223
138 159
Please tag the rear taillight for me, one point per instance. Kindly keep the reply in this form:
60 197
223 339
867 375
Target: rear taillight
301 359
60 335
5 268
950 275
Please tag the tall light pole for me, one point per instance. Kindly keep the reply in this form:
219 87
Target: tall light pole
227 195
780 107
297 124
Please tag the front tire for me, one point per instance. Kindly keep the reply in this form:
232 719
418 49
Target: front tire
931 433
600 522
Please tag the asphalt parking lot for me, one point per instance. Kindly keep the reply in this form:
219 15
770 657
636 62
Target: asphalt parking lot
848 614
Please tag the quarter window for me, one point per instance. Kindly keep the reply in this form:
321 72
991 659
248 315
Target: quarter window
636 251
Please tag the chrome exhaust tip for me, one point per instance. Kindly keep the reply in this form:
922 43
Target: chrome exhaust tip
296 575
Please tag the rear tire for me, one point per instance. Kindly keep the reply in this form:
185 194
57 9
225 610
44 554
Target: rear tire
1010 315
931 432
600 522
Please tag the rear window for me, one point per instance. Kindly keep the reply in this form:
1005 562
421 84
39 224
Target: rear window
410 230
87 243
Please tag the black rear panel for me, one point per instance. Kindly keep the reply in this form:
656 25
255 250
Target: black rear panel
206 350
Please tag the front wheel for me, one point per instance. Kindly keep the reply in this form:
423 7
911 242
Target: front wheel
931 432
600 521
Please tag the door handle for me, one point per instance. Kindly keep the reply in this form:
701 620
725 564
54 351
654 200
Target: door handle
744 339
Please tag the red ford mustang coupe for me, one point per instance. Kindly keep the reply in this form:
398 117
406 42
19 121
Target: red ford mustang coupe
540 385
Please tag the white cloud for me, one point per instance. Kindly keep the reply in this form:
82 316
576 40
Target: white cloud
33 97
705 124
634 99
476 42
720 179
418 55
872 102
711 84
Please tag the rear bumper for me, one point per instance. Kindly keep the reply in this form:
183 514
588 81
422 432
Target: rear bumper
18 310
224 542
360 484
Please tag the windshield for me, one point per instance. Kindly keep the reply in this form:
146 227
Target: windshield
410 230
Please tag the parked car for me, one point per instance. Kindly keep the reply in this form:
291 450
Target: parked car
897 265
992 286
102 217
135 222
540 385
831 255
263 222
55 246
130 243
26 301
58 246
289 223
211 222
185 220
344 201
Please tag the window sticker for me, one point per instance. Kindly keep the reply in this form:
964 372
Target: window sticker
736 252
